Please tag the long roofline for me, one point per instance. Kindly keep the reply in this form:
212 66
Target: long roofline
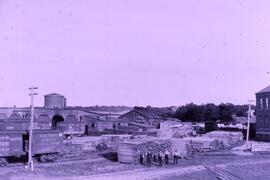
265 90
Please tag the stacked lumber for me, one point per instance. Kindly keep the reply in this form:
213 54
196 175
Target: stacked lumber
201 144
128 152
229 139
87 143
72 149
215 141
176 131
112 141
80 145
183 146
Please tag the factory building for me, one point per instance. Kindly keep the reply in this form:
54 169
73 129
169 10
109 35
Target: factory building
263 114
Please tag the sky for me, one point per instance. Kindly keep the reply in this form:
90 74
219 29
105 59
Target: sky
134 52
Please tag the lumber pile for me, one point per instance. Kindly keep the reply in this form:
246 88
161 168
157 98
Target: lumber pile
215 141
176 130
183 146
128 152
201 144
112 141
229 139
71 149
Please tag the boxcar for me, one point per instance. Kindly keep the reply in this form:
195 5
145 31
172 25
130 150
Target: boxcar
70 129
23 125
11 144
42 125
46 144
14 125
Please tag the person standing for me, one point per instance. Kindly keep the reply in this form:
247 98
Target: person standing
149 158
141 158
167 153
175 157
160 156
155 157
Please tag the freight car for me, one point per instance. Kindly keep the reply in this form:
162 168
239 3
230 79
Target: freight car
23 125
11 144
14 125
72 129
46 144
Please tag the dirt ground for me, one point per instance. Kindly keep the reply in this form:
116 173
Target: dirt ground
204 166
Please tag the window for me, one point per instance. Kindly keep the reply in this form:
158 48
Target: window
261 103
266 102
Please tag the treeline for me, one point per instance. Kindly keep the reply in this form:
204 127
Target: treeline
210 112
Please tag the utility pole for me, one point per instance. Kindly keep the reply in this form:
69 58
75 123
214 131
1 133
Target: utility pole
30 160
248 123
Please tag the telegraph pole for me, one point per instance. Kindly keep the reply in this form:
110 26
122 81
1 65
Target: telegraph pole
248 123
30 160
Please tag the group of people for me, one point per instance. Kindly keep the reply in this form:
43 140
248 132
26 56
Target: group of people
160 158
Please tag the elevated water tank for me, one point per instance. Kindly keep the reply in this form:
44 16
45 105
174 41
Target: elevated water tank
54 101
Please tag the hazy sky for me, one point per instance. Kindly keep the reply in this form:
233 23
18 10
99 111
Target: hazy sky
134 52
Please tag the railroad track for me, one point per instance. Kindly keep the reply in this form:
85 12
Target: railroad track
60 158
221 173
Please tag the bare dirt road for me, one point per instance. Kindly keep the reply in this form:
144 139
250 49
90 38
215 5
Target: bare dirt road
205 166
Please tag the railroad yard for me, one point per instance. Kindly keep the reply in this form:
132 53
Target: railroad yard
134 90
79 160
139 144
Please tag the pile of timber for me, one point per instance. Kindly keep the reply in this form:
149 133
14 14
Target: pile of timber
176 131
129 152
202 144
72 149
88 143
183 146
229 139
112 140
215 141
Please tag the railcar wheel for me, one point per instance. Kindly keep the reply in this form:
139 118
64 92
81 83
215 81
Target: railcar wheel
43 158
50 158
3 162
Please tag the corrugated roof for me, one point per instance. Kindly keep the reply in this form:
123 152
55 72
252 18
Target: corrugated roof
141 125
15 116
44 118
147 112
265 90
3 116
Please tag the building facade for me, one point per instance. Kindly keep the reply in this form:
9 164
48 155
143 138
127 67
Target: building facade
144 116
263 114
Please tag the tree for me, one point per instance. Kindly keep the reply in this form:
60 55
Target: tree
211 112
226 112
